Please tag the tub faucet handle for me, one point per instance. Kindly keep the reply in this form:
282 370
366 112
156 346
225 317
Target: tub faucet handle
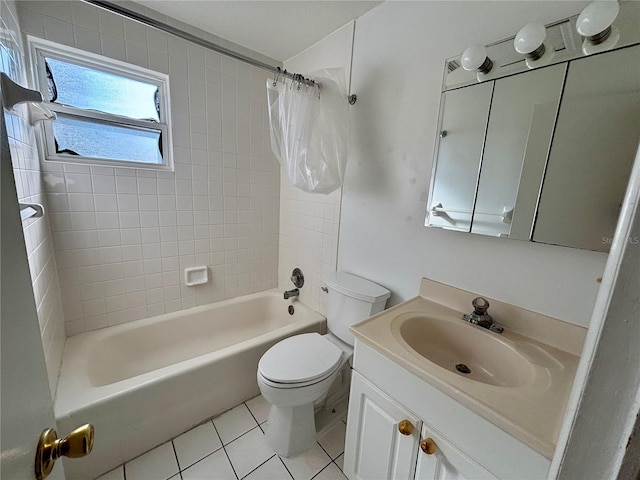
297 278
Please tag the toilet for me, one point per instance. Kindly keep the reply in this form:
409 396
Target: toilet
304 376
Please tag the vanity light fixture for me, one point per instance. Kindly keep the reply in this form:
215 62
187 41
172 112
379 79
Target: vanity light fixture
475 59
530 42
595 24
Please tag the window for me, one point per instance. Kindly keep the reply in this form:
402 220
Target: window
109 112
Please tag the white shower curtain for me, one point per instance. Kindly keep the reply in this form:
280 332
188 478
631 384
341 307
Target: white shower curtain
310 130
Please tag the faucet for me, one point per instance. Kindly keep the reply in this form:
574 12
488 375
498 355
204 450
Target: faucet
291 293
297 278
480 316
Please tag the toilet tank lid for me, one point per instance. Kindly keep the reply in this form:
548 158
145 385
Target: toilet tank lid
356 287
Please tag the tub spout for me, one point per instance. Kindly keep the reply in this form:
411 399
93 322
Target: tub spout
291 293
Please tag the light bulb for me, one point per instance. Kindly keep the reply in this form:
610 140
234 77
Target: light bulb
475 58
530 42
595 24
530 38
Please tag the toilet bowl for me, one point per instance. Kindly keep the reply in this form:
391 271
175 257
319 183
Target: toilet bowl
294 377
298 375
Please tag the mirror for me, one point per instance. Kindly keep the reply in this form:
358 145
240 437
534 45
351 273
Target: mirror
462 130
521 108
596 135
541 155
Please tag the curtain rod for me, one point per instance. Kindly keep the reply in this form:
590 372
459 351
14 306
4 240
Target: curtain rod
138 17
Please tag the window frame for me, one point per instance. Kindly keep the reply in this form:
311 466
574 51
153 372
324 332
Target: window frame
40 48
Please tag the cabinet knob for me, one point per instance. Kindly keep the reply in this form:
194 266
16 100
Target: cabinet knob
428 446
405 427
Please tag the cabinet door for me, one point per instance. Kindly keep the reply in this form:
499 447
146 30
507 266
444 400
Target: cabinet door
374 446
440 460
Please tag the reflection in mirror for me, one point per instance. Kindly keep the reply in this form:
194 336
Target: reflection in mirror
592 152
519 128
462 130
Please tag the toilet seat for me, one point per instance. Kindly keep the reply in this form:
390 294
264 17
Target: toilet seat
300 360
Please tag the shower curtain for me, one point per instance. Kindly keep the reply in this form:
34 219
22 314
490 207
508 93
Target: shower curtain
310 129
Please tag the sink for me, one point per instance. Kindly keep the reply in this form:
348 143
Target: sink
463 348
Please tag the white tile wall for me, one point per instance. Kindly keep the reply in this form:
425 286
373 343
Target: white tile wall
123 236
37 232
309 223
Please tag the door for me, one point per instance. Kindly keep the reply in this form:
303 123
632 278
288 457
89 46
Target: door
440 460
382 436
26 407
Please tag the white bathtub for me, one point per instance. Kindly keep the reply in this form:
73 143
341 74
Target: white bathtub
145 382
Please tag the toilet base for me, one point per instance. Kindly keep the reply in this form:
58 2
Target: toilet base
282 428
290 430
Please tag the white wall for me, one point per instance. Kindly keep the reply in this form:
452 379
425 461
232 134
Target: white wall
26 168
123 236
399 53
309 223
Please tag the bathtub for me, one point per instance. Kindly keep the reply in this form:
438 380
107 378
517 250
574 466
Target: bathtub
143 383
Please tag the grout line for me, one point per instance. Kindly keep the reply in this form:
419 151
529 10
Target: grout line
224 450
325 467
254 417
199 460
175 454
241 435
285 467
325 451
260 465
230 463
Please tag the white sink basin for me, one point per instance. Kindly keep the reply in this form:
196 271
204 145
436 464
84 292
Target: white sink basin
463 348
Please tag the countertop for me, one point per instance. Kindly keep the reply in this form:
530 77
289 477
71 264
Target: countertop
531 412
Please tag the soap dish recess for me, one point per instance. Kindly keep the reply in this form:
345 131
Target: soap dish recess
196 276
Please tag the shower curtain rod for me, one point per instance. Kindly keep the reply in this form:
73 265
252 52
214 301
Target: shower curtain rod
125 12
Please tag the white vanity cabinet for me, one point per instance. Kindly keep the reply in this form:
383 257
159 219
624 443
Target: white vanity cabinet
383 436
438 459
402 428
384 440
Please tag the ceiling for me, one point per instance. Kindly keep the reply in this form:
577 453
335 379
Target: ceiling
276 28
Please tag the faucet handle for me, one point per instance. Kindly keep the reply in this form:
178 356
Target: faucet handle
480 305
297 278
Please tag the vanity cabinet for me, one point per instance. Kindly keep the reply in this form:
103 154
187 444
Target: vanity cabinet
386 440
402 428
383 435
439 459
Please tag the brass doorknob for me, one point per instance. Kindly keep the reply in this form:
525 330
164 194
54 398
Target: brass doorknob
405 427
77 444
428 446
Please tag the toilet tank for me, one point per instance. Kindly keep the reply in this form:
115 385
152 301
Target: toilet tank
351 299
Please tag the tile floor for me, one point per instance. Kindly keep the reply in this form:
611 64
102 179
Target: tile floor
232 447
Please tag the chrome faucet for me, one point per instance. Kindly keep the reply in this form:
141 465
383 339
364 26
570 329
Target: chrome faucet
480 316
297 278
291 293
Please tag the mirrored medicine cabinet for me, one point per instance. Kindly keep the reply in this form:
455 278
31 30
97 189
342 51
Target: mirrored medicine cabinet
540 154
